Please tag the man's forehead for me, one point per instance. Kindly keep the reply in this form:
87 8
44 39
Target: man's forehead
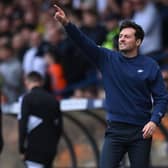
128 30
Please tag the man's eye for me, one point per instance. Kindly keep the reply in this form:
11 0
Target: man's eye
127 36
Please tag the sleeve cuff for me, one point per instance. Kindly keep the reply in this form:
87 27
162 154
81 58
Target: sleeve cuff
156 119
68 25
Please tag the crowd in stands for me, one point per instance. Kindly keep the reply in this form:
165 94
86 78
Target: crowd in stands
31 40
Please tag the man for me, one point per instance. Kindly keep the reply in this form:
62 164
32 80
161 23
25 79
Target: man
40 124
11 73
136 98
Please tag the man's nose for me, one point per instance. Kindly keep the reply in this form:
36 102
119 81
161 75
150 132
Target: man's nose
122 39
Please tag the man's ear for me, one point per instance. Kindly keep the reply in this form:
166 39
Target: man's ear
138 42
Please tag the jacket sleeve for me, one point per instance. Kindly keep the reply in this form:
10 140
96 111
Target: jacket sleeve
94 53
160 98
23 121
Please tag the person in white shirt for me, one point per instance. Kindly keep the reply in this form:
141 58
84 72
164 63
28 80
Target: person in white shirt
147 16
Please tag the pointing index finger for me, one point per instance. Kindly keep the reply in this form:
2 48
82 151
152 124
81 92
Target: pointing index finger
57 7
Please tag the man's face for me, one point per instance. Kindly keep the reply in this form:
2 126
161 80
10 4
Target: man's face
127 40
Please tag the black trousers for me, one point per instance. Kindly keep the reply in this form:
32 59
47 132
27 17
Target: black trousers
121 138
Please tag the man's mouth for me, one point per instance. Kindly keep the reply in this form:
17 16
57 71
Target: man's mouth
122 44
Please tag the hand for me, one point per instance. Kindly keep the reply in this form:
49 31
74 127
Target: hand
149 129
60 15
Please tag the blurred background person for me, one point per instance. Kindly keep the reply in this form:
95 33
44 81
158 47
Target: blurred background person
56 73
40 124
126 9
19 47
5 26
84 4
11 72
162 5
32 61
147 15
165 76
112 25
91 27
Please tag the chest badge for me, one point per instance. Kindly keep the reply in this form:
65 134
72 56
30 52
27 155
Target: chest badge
140 70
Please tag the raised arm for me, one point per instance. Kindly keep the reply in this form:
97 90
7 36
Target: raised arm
92 51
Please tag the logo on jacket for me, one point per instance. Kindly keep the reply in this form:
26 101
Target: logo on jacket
140 70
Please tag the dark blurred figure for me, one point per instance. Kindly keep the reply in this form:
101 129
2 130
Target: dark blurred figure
11 72
1 139
5 28
65 3
40 124
92 28
17 20
31 18
68 54
55 72
1 9
126 9
112 6
32 62
4 40
163 9
96 31
165 75
147 16
19 47
112 26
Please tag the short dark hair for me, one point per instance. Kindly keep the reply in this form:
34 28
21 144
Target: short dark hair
139 32
34 77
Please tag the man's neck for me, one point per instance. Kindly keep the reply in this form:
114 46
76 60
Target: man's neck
33 85
130 54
